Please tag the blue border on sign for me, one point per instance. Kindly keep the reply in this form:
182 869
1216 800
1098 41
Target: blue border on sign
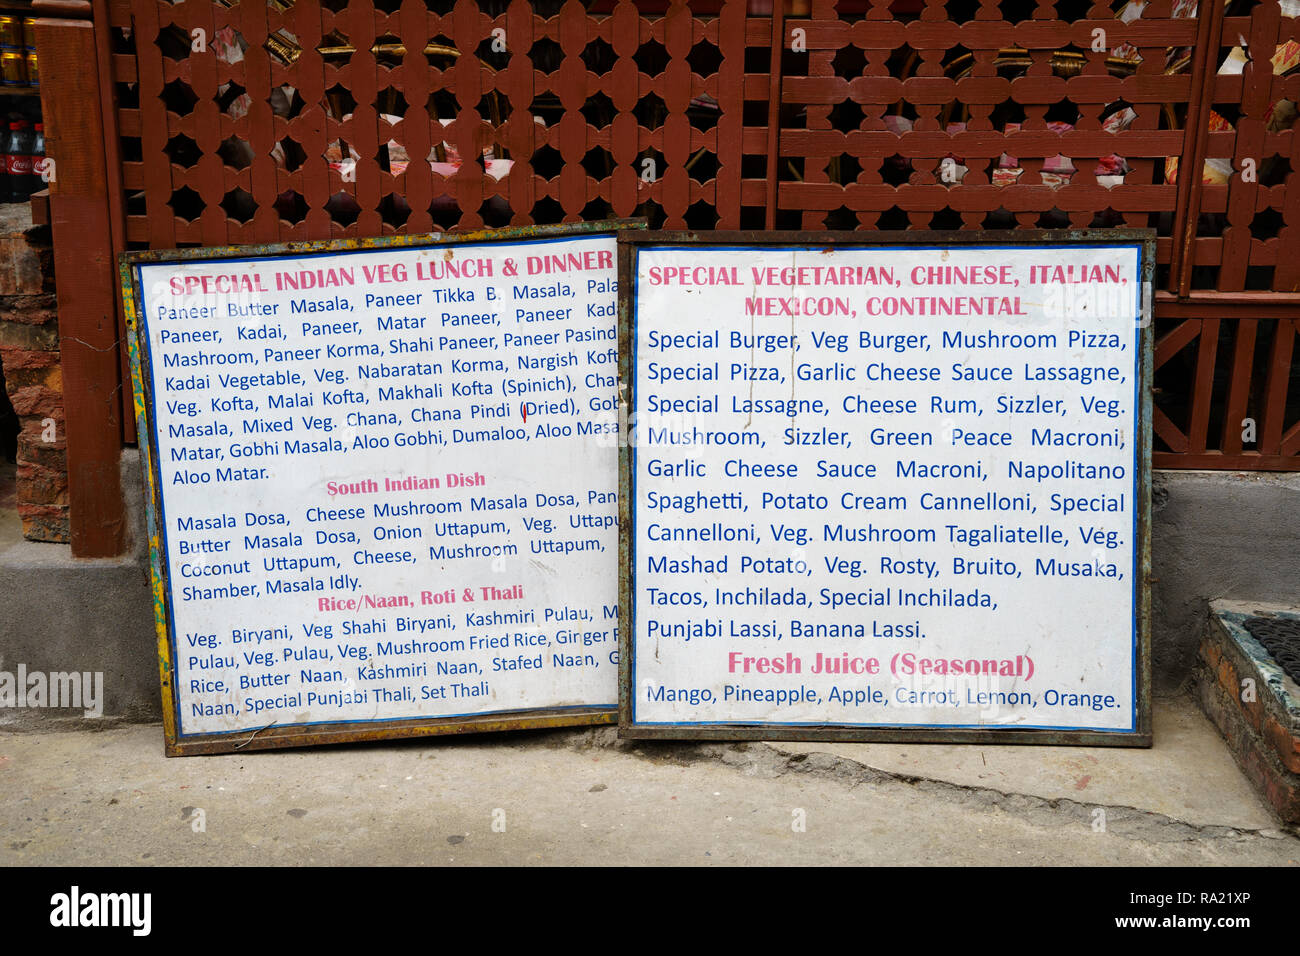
164 561
1138 439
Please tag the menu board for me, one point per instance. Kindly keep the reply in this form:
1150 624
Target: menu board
887 489
383 485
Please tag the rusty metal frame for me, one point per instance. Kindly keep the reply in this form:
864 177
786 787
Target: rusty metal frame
274 737
1140 736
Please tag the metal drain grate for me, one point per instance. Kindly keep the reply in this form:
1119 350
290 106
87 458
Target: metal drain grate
1281 638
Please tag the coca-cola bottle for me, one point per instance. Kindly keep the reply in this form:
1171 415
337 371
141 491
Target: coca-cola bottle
38 160
6 191
18 161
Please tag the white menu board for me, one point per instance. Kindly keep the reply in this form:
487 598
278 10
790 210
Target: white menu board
886 487
382 492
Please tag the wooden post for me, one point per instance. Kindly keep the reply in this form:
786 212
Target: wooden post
84 272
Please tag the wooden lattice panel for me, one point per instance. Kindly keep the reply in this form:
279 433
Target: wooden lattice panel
1249 229
977 114
310 120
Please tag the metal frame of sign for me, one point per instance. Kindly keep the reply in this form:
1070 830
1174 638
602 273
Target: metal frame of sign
1140 736
276 736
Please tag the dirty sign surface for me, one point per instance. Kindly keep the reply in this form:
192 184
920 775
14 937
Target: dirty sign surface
884 489
383 485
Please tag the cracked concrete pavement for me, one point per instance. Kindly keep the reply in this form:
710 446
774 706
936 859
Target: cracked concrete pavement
584 797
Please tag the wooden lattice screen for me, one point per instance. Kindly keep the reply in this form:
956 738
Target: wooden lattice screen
274 120
309 121
963 116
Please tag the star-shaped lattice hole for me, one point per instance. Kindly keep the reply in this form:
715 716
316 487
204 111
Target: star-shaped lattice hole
394 211
342 208
441 52
388 7
701 215
239 205
704 58
651 57
1071 10
235 152
282 48
649 166
650 111
1000 218
1068 61
1274 170
1267 224
442 103
494 52
546 210
389 154
335 47
893 218
950 171
946 218
1000 175
291 153
702 166
1118 116
390 101
174 42
339 101
178 97
187 204
896 170
1108 218
653 212
1057 171
598 163
495 212
291 207
388 51
842 219
547 107
342 159
547 162
493 108
903 109
849 62
443 170
902 62
1054 218
597 210
182 150
444 212
286 102
599 110
1017 10
1005 113
846 115
702 116
963 11
844 169
546 55
1063 111
599 56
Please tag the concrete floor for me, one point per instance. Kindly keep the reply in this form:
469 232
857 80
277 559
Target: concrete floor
573 797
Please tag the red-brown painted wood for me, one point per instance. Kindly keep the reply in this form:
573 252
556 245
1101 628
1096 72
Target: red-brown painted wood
85 279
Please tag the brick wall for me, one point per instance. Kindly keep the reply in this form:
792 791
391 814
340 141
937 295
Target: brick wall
33 378
1254 705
